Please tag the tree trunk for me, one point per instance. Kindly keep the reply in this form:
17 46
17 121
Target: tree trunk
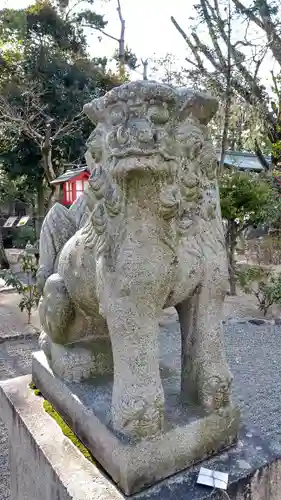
228 94
40 209
54 195
144 71
4 263
121 49
231 241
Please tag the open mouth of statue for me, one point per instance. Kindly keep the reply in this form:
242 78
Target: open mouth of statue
158 162
139 152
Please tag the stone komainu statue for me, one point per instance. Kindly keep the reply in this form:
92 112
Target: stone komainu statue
147 235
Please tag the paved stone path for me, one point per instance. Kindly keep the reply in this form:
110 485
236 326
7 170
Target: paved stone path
12 321
254 354
17 341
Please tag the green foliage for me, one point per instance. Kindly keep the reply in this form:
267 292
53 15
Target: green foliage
12 190
22 235
262 283
167 69
67 431
130 58
248 199
28 291
47 76
36 391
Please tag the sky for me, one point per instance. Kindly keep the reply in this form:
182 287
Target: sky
149 30
148 26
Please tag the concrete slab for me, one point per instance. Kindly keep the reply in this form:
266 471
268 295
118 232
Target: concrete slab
46 465
190 435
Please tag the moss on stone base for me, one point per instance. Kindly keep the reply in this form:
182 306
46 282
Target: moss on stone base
36 391
66 430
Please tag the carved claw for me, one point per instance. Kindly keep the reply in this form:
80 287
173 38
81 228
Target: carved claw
139 417
73 364
215 391
45 344
55 308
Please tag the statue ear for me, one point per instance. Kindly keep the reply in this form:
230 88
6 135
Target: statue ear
199 104
94 110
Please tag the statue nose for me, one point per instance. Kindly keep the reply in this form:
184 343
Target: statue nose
145 135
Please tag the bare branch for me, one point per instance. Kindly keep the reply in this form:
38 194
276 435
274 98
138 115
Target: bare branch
251 92
11 119
249 13
73 7
258 64
145 67
261 157
121 39
275 85
235 53
205 4
32 121
101 31
265 23
228 94
67 127
191 62
46 148
198 59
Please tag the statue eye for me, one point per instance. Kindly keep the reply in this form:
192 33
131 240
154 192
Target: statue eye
158 115
197 148
95 143
95 148
116 116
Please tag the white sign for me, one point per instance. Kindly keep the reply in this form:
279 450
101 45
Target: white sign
213 478
23 221
10 222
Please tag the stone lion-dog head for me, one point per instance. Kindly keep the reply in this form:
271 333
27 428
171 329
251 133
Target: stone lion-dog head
145 128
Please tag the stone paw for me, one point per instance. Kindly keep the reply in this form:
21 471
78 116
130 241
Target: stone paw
73 364
139 417
45 344
55 309
214 391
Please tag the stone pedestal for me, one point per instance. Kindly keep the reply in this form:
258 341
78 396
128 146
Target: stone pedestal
45 465
190 435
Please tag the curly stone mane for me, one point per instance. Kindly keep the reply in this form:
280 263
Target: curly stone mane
132 135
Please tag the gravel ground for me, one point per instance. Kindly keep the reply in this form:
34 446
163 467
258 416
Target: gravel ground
254 354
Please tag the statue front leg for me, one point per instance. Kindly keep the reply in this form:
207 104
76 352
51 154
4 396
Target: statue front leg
134 295
206 378
138 398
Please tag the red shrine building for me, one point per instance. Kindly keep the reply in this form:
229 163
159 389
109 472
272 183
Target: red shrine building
71 185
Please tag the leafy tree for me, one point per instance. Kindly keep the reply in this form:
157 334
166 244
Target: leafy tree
263 284
28 291
47 77
10 191
247 52
246 200
245 125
